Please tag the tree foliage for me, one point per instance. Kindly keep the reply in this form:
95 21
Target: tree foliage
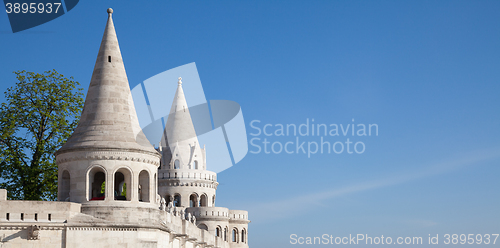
39 115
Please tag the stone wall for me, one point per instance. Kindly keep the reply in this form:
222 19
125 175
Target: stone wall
73 225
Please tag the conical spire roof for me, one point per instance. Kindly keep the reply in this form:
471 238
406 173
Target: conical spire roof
108 120
179 130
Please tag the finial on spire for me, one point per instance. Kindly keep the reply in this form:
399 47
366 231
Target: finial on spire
110 11
179 82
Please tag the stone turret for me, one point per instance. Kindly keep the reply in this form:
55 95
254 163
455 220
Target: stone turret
186 183
183 178
108 161
183 149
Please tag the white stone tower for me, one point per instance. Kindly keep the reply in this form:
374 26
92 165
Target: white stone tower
185 181
183 178
108 162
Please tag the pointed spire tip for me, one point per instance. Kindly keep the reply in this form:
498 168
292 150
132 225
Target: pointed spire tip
110 11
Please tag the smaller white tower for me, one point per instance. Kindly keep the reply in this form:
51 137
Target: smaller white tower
183 178
185 181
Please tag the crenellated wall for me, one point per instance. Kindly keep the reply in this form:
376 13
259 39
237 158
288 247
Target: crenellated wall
237 215
209 213
12 211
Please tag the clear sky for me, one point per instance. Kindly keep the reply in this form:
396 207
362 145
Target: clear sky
426 72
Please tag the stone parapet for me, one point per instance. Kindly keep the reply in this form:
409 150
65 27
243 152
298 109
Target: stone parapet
37 211
209 213
238 216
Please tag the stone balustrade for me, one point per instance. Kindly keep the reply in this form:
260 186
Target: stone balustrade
188 174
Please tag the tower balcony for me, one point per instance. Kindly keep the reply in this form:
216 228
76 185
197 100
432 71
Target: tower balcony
192 174
237 216
209 213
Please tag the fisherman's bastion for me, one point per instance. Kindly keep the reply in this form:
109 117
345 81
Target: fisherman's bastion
115 189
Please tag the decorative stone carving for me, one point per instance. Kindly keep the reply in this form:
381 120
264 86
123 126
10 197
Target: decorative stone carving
162 204
33 232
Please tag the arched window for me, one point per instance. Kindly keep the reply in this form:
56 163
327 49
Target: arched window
65 186
177 164
195 165
120 187
203 227
177 200
122 180
218 231
203 200
234 235
144 186
243 235
97 184
225 233
213 201
193 201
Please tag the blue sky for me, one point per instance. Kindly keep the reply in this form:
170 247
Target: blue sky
426 72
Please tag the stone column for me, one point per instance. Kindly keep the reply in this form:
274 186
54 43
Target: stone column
135 186
110 196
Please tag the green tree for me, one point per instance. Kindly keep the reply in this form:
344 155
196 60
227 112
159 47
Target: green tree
103 187
124 190
38 116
